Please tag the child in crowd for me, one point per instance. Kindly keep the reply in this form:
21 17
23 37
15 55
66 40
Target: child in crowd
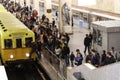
72 57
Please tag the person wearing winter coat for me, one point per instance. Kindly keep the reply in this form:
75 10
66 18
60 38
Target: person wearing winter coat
109 59
72 57
78 59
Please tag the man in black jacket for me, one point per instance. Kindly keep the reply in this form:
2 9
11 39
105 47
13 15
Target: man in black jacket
95 58
35 48
72 57
87 41
109 58
65 53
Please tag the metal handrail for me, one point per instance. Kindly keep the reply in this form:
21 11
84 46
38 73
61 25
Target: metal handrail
58 73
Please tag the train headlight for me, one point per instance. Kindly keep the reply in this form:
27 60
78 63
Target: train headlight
27 54
11 56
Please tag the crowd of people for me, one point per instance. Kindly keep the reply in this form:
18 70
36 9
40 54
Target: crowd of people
48 35
99 59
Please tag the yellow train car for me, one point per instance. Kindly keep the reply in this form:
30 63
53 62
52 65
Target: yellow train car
14 36
2 9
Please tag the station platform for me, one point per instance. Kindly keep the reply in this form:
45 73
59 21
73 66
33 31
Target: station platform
76 42
77 38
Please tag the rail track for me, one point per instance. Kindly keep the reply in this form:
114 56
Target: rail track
28 71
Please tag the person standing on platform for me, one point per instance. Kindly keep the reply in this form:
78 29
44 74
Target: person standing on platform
67 38
72 57
91 38
72 22
87 42
56 14
39 49
95 58
78 58
114 52
53 22
109 59
43 17
88 58
65 53
34 49
58 50
103 57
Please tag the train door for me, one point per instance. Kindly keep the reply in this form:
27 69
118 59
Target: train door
18 43
18 50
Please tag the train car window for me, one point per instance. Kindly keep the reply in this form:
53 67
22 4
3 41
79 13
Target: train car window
18 43
8 43
28 41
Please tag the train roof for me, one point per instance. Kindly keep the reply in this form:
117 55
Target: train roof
111 23
107 26
2 9
10 23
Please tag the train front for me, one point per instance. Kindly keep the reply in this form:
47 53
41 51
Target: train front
15 47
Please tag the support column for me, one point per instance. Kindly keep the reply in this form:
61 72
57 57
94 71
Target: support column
36 6
17 1
28 3
12 0
48 9
65 16
22 3
60 17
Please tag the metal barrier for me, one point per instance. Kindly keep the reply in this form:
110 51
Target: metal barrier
58 64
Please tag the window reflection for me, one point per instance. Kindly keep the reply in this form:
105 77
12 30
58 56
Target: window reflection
28 41
18 43
8 43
